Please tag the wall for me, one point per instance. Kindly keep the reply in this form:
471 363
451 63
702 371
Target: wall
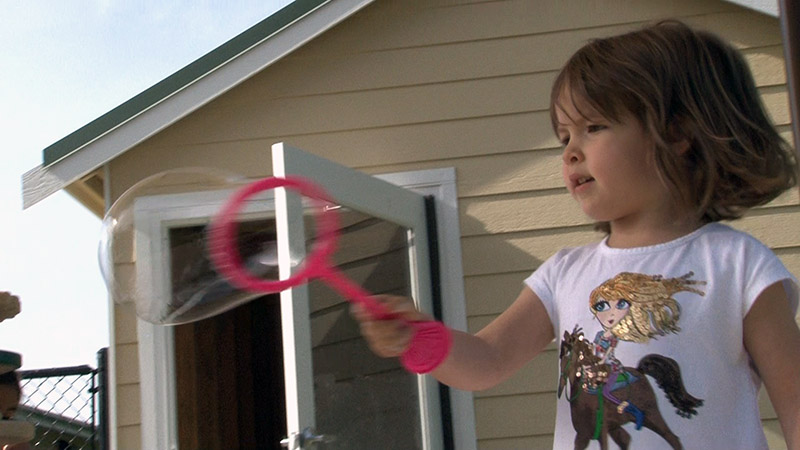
407 85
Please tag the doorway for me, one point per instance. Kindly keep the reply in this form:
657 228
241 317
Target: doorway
317 327
230 384
230 389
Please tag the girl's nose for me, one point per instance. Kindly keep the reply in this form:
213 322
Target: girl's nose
571 154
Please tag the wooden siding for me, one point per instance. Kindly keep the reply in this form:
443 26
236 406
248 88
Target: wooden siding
407 85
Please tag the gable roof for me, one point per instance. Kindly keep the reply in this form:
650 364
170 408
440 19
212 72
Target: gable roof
181 93
88 148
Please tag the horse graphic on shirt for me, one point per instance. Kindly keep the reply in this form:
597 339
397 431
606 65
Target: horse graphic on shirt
630 307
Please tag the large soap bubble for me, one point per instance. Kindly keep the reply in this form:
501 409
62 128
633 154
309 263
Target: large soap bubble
160 237
153 246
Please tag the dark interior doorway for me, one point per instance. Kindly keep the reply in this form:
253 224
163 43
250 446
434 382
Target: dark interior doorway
229 378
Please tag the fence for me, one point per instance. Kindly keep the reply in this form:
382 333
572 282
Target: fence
67 405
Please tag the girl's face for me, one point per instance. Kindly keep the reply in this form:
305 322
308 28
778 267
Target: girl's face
610 312
607 169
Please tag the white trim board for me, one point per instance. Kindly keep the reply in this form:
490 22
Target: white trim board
769 7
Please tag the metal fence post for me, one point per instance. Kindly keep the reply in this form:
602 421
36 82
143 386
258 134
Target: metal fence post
102 397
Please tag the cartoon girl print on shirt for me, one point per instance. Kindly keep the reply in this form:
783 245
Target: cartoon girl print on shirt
633 307
636 307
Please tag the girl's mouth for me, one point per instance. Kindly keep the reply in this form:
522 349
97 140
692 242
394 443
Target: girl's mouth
581 183
576 181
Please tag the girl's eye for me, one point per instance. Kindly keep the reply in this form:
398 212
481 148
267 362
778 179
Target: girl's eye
595 128
623 304
564 140
601 306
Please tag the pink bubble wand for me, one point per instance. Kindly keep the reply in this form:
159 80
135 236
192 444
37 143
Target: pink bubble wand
431 340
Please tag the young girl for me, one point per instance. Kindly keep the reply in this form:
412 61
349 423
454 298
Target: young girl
664 136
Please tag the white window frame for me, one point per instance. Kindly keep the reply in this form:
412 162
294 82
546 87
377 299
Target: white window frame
156 343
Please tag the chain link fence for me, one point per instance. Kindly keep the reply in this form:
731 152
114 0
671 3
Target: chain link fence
67 405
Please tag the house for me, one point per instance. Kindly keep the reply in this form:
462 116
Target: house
446 97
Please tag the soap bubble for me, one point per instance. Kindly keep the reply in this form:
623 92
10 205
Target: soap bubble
153 246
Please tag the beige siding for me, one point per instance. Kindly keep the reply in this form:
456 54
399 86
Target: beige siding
129 437
465 84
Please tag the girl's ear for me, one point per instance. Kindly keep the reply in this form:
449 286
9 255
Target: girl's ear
681 147
680 142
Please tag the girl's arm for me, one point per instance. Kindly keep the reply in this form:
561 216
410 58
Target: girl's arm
475 362
772 339
492 355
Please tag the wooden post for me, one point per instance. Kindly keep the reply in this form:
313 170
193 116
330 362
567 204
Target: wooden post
790 28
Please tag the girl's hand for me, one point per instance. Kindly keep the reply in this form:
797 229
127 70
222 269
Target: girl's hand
9 306
388 338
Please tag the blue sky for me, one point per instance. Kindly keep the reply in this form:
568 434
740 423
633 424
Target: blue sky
63 65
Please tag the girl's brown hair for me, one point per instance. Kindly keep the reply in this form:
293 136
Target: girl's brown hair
686 85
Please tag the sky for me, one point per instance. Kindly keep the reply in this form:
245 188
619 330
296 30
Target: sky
63 65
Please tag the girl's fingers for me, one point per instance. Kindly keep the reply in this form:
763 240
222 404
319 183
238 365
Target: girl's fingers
401 306
358 313
388 337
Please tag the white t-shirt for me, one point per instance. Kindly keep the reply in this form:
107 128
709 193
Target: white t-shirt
714 275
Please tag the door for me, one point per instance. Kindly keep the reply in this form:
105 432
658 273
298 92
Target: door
338 394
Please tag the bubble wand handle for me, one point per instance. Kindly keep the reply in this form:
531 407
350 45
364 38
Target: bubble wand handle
356 294
431 340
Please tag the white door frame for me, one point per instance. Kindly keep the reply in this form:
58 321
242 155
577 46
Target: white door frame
156 343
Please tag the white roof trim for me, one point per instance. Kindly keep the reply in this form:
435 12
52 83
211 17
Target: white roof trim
769 7
41 182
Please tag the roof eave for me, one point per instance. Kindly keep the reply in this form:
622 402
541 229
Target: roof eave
176 96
